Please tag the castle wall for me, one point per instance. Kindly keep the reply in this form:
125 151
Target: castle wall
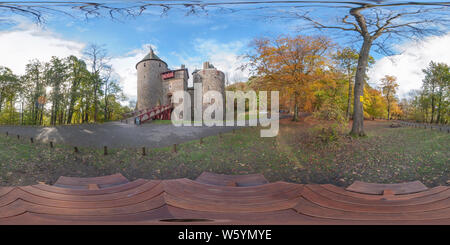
177 83
149 83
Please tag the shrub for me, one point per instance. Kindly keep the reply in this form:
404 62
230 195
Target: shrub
333 123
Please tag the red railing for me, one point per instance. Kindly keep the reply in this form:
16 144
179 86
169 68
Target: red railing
156 113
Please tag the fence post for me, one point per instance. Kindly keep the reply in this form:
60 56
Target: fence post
51 144
31 139
174 149
105 150
143 151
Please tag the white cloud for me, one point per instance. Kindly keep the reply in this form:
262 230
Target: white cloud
28 41
224 56
125 67
408 65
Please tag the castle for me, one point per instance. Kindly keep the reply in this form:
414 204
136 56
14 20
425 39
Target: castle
156 82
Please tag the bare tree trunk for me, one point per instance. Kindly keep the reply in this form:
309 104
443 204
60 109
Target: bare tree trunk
438 119
21 112
1 99
95 103
388 108
389 112
349 100
295 118
86 114
106 101
432 107
358 112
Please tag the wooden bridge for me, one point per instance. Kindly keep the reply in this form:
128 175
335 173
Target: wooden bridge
221 199
156 113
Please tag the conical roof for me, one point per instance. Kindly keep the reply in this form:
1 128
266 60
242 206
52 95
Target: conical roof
151 56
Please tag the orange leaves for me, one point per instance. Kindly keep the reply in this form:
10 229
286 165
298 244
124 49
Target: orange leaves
291 65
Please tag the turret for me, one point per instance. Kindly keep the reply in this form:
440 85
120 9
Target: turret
149 82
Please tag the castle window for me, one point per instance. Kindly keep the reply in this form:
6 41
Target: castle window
144 64
159 64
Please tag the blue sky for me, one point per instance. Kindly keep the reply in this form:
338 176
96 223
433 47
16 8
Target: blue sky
173 33
189 40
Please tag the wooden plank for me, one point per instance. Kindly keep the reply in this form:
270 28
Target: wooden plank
232 180
105 211
354 207
308 208
113 189
229 206
374 197
102 181
127 201
191 188
377 189
120 194
432 195
5 190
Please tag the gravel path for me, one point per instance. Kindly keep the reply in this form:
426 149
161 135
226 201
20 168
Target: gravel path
115 134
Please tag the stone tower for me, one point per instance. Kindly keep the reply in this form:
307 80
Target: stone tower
149 81
211 79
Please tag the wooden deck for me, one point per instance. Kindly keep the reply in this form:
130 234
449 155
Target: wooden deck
231 180
91 183
377 189
185 201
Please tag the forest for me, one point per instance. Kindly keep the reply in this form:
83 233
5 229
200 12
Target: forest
314 75
62 91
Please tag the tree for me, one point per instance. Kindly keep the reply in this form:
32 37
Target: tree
290 64
8 84
389 88
436 85
348 59
374 105
96 55
77 73
370 22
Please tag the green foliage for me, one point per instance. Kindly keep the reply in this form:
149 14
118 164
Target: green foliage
330 132
61 91
432 102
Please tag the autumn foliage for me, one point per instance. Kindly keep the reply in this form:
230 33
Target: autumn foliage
315 76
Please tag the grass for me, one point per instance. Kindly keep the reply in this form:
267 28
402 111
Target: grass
387 155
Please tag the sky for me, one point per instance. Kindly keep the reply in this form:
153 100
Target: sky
189 40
